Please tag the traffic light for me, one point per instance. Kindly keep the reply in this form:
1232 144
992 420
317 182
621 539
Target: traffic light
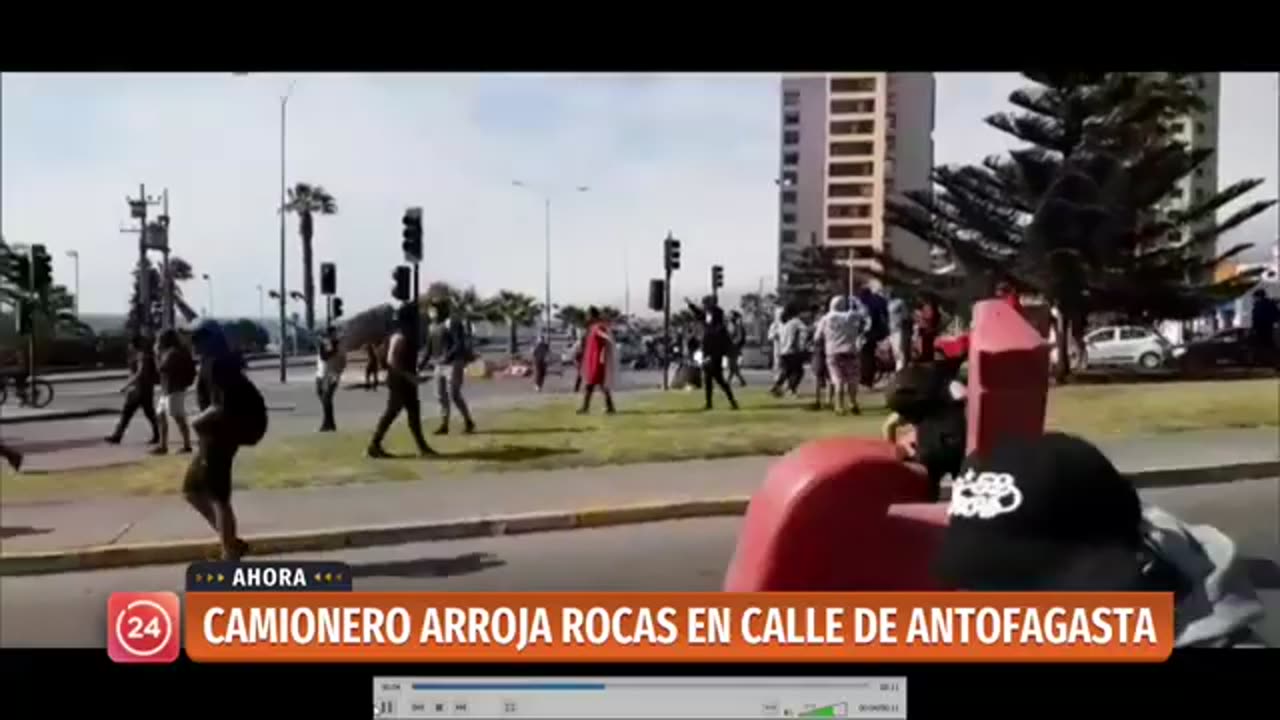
24 318
42 268
403 277
657 294
328 278
671 253
337 308
19 270
717 277
412 244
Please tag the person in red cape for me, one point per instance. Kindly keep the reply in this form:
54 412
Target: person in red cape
597 361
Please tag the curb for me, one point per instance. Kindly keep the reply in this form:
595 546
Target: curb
185 551
59 415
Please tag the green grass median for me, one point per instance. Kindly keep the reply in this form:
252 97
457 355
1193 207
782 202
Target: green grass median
649 427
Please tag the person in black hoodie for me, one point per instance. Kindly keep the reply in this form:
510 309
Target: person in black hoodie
929 424
716 346
139 392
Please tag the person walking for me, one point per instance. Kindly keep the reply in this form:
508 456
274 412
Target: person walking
598 358
900 322
232 415
840 332
1263 317
876 312
928 326
177 372
371 367
451 367
791 353
737 341
822 387
577 348
541 352
402 385
716 346
774 337
139 392
330 364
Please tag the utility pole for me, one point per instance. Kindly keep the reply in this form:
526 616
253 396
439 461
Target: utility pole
138 211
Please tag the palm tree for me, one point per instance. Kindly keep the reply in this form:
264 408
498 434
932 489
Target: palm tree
517 310
610 314
571 316
307 201
178 271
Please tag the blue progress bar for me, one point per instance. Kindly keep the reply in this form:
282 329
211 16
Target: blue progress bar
508 686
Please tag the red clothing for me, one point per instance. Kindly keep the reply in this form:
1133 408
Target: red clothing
953 348
595 354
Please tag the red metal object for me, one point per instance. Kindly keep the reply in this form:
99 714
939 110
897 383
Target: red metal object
846 514
819 522
1008 376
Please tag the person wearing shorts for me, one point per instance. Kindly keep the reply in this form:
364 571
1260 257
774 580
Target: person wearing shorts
172 402
840 331
207 483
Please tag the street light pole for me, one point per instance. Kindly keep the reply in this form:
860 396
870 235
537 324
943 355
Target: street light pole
75 258
546 204
209 279
284 125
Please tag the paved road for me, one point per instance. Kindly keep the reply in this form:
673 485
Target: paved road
295 410
68 610
52 525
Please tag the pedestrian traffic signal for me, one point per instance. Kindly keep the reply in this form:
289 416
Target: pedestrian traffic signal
412 244
41 268
328 278
670 253
657 294
403 276
717 277
337 308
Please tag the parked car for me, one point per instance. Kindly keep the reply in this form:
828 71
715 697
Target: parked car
1228 347
1127 346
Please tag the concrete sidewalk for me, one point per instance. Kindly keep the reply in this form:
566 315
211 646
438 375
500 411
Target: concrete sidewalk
129 520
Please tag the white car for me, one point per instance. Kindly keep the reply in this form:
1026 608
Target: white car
1129 346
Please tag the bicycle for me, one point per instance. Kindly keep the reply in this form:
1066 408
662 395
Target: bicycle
35 393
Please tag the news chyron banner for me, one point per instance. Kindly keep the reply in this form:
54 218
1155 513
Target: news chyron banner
308 612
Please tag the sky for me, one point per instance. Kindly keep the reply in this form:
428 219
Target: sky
692 154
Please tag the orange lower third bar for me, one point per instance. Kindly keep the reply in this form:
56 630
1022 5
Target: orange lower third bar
679 627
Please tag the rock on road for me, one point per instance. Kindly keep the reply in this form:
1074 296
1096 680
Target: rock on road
69 610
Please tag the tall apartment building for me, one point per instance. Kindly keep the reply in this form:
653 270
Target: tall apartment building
1200 130
849 141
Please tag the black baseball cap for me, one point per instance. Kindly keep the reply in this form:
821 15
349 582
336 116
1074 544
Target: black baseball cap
1049 513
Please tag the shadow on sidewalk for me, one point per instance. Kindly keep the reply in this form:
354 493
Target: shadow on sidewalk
535 431
428 567
19 531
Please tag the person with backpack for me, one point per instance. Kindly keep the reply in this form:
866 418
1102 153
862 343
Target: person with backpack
452 355
717 344
402 385
177 371
232 415
139 392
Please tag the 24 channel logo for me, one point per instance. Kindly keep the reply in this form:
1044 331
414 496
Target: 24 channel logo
143 627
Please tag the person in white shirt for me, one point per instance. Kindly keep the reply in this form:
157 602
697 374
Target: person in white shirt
841 332
330 364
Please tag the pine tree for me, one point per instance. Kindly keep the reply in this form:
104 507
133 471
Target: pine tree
812 277
1078 215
